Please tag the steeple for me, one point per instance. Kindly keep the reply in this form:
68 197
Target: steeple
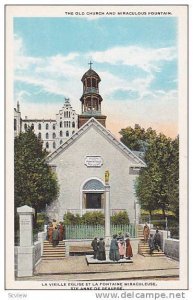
91 99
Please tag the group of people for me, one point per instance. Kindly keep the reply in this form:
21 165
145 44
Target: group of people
120 248
154 241
55 232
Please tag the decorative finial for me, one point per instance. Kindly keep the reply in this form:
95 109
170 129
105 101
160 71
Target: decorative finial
90 63
67 100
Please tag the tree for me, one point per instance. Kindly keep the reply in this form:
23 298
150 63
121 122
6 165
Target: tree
157 185
35 184
137 138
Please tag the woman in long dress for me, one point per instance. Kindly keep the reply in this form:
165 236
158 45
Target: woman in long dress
146 232
129 252
114 249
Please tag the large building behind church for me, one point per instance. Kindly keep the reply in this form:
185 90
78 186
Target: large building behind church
52 132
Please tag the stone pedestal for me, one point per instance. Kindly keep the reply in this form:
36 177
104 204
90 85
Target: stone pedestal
107 220
26 248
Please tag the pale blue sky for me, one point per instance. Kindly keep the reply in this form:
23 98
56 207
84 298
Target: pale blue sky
136 59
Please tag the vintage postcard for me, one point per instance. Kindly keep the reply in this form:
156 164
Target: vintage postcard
96 147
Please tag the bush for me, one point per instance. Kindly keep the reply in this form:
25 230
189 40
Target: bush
70 219
93 218
120 218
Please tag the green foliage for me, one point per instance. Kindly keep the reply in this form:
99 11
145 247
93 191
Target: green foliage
157 186
71 219
93 218
120 218
137 138
35 184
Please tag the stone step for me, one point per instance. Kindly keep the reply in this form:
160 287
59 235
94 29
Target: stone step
54 251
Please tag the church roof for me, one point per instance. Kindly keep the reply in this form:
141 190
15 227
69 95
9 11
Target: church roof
137 162
89 73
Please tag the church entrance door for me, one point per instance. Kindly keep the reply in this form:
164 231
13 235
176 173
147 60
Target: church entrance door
93 201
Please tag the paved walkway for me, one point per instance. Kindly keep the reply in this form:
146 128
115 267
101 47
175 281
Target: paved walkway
76 268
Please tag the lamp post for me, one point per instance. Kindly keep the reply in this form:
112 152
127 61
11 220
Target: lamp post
107 214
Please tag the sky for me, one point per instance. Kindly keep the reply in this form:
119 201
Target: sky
135 57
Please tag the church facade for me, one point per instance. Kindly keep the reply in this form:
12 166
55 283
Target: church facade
82 161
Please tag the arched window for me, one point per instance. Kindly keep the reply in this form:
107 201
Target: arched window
61 134
32 126
54 126
47 145
88 82
73 124
25 126
67 133
39 126
60 124
60 142
47 126
94 82
39 135
54 145
54 135
47 135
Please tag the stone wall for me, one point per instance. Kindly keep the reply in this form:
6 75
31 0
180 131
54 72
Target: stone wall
171 248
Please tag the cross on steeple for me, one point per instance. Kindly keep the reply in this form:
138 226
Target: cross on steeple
90 63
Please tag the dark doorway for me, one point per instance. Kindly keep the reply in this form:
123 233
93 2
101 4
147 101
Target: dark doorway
93 201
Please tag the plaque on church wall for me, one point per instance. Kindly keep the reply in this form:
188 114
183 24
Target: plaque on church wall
93 161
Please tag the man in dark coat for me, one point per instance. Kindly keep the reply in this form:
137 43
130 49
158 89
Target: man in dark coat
114 249
151 243
94 245
55 237
101 250
157 240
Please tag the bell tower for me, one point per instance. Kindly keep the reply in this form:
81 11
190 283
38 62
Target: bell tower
91 99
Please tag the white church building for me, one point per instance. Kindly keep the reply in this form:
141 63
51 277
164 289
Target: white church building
81 151
82 160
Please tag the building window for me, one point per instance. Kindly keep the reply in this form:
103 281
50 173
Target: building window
67 133
32 126
54 126
47 126
47 135
60 124
69 124
39 126
39 135
47 145
73 124
54 145
25 126
54 135
64 124
73 132
15 124
60 142
61 133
